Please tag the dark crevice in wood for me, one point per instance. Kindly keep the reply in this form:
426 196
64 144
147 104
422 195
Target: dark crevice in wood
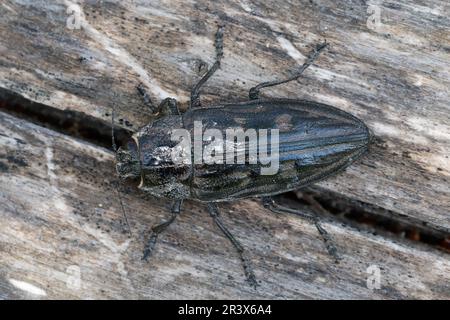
69 122
355 213
369 217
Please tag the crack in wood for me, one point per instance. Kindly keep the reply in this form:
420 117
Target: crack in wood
356 213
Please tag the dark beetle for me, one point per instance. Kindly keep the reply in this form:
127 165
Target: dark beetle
315 141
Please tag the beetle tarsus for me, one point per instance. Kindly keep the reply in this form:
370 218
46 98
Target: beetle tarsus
270 204
254 92
332 251
195 93
156 230
248 270
148 250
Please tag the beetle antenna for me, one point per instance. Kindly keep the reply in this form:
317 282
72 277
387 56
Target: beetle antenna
114 146
125 217
113 140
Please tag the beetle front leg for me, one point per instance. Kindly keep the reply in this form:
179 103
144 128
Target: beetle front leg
146 97
156 230
270 204
254 92
167 107
195 93
248 270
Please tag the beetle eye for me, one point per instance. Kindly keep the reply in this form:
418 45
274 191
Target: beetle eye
153 162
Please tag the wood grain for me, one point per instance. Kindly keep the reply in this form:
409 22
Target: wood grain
61 218
394 76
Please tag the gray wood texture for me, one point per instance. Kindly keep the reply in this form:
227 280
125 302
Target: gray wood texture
63 236
394 75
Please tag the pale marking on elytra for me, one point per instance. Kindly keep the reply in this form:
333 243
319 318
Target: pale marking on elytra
284 122
240 121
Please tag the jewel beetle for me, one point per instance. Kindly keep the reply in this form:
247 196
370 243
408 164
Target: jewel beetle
314 141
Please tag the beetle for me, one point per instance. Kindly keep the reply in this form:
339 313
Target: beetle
315 141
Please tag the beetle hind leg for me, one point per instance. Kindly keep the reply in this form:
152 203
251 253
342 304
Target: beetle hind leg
254 92
270 204
248 270
157 229
195 93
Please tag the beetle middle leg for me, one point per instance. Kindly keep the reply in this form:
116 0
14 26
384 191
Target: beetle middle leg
195 93
156 230
248 270
254 92
270 204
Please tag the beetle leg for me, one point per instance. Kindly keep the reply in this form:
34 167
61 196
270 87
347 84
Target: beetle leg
146 97
167 107
195 93
254 92
156 230
248 270
270 204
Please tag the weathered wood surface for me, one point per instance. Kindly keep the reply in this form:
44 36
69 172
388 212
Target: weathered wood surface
395 77
61 214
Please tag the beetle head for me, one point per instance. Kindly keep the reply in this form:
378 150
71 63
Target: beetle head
127 161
